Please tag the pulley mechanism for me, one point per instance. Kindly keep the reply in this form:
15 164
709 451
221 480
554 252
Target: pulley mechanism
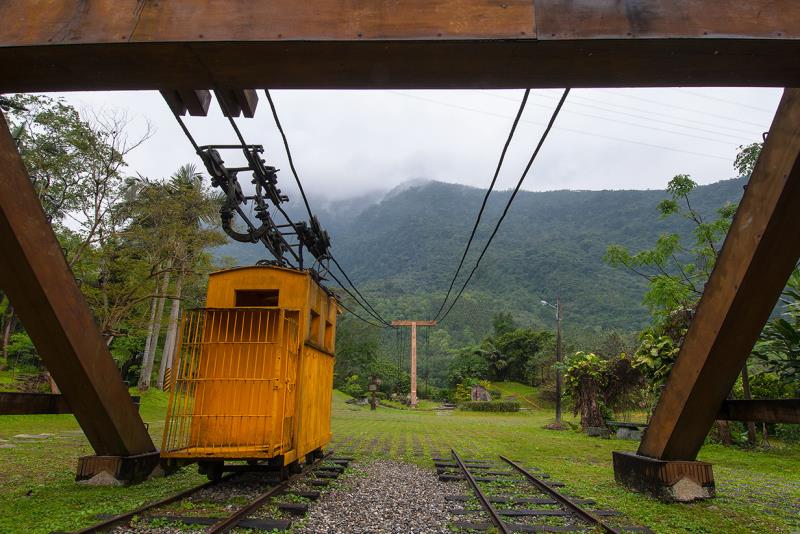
265 181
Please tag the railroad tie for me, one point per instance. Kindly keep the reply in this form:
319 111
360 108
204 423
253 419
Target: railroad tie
294 508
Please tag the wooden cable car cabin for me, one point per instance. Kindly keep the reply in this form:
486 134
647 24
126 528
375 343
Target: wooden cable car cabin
253 377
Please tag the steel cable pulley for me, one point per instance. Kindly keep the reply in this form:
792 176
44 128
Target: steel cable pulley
309 235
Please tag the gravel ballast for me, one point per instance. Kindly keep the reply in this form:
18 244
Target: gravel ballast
382 497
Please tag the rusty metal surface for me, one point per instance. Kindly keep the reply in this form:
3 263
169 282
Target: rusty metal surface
112 21
562 499
761 411
230 522
134 468
125 44
235 102
12 403
631 19
494 516
32 403
196 102
40 285
759 253
657 477
121 519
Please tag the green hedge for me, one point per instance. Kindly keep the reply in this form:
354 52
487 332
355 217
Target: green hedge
490 406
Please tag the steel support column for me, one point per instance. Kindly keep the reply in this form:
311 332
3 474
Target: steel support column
37 280
759 253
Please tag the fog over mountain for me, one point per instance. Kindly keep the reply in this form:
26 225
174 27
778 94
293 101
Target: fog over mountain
402 247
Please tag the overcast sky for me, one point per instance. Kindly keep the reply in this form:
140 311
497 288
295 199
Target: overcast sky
346 143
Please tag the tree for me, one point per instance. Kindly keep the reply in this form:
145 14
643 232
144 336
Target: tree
77 168
778 347
503 323
467 364
676 273
585 378
356 350
509 353
177 220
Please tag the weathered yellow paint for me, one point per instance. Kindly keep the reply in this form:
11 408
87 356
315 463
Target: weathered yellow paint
247 384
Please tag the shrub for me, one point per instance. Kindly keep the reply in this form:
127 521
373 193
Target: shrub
489 406
788 433
547 392
353 387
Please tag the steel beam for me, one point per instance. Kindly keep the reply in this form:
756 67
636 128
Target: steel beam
180 101
14 403
761 411
40 285
53 45
759 253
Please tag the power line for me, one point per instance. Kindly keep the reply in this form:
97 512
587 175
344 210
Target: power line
748 133
357 316
724 100
485 199
510 200
377 315
654 128
355 299
683 108
565 129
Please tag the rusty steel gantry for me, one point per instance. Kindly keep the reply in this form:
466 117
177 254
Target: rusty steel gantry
184 48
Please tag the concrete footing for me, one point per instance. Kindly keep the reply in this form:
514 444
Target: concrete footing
669 481
124 469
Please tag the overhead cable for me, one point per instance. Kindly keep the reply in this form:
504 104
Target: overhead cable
485 199
510 200
368 308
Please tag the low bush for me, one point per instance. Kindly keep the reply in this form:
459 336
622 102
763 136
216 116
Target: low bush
489 406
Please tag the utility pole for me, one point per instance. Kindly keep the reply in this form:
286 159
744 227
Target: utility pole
559 356
559 360
413 325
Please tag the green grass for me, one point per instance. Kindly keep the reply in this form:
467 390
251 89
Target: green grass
527 396
38 493
757 491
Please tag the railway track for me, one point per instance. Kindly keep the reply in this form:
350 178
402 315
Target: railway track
504 494
315 475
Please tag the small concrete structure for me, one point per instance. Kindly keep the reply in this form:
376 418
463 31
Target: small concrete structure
479 393
669 481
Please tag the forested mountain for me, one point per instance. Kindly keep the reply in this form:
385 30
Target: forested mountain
403 250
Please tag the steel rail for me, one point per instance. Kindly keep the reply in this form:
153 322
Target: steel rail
122 518
227 523
491 510
562 499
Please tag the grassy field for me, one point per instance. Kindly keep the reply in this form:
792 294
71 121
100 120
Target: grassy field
758 491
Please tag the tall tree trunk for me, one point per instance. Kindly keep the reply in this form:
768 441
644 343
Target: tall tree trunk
149 357
751 426
8 328
724 427
172 331
150 326
724 430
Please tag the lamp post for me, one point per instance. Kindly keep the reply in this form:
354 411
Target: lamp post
559 356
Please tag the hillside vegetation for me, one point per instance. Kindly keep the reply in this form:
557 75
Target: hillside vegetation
403 250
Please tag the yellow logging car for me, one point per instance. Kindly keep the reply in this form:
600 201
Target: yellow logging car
253 376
